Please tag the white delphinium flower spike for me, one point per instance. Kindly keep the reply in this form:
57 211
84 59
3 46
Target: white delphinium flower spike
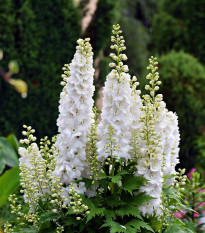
116 104
150 160
32 168
75 118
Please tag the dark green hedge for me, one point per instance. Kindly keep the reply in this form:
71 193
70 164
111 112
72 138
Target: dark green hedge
179 25
41 36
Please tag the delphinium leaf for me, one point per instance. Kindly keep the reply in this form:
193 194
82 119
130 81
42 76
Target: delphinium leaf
137 224
129 210
114 226
130 183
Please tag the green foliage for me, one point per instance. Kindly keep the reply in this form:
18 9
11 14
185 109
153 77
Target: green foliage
9 182
48 216
40 36
178 226
193 196
183 81
116 209
8 152
114 226
200 147
177 25
131 183
104 68
113 209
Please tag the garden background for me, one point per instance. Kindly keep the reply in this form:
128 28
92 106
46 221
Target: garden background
40 36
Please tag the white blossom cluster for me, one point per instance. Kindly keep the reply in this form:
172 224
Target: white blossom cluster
116 110
143 129
150 160
140 129
158 143
29 161
75 118
36 167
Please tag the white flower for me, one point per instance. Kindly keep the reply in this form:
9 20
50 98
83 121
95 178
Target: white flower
75 118
116 113
31 164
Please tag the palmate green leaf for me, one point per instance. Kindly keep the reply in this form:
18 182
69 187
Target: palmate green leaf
9 182
137 224
114 201
140 199
93 207
130 229
114 226
128 210
110 214
131 183
94 212
116 179
123 172
49 216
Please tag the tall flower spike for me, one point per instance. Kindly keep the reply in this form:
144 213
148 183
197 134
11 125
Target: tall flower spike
75 118
116 103
150 159
32 166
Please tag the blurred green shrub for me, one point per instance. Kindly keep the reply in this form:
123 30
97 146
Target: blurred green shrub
183 82
193 196
200 146
40 36
179 25
104 67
